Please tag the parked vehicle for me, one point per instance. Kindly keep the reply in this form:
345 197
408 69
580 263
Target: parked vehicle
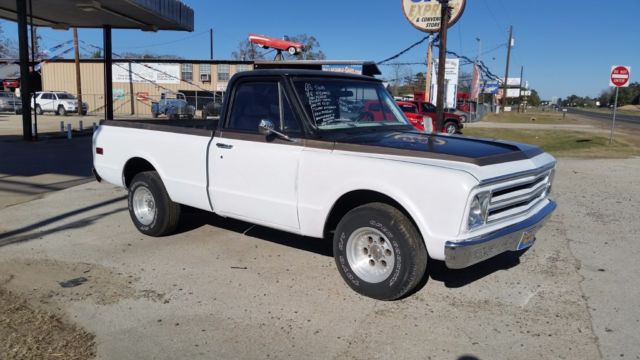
172 105
452 122
58 102
267 42
284 154
9 102
463 115
419 121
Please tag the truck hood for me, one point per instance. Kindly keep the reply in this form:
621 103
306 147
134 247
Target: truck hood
482 158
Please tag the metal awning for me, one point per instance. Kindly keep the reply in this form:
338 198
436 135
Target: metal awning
148 15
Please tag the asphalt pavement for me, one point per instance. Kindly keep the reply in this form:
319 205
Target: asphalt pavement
635 119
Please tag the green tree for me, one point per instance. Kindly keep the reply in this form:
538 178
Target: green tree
534 99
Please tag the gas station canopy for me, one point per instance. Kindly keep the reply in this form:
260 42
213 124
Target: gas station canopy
148 15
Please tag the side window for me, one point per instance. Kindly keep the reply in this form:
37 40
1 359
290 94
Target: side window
289 121
254 101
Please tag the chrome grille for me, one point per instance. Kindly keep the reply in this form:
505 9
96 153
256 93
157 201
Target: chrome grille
519 196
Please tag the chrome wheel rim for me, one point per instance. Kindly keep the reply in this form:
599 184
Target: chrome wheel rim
370 255
144 205
450 129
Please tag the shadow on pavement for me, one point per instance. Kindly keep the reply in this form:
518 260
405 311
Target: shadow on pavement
56 156
30 232
193 218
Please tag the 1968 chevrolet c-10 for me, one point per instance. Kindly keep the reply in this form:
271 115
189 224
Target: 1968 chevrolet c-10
292 151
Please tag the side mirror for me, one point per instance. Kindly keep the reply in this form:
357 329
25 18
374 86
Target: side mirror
265 127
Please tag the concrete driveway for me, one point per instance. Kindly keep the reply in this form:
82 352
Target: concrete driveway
225 289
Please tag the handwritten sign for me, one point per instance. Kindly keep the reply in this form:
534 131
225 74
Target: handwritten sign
323 108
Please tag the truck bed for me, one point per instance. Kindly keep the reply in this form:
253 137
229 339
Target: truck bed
191 127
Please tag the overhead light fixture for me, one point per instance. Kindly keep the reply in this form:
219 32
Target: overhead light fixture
60 26
89 6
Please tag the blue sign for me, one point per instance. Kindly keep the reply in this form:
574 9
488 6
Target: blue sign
343 68
490 87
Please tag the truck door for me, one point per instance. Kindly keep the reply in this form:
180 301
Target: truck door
254 176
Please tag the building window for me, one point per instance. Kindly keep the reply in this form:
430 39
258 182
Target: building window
187 71
223 72
243 67
205 72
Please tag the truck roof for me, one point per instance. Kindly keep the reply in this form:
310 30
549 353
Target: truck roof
301 72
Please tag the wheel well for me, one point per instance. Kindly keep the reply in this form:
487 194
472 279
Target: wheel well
133 167
356 198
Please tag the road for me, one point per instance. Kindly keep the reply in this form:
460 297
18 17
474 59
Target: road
225 289
634 119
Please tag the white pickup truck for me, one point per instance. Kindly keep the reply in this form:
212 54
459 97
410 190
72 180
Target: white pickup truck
288 153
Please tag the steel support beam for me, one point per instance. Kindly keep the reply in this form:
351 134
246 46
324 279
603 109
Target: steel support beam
108 84
25 77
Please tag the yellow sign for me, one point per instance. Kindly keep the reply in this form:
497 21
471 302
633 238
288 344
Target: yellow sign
424 15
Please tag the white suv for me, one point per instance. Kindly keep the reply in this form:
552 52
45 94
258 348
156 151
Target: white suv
59 102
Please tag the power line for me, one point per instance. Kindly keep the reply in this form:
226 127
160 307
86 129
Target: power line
403 51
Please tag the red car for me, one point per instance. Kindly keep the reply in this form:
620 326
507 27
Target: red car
452 122
267 42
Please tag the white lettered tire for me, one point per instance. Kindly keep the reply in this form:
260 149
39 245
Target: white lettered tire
379 252
152 211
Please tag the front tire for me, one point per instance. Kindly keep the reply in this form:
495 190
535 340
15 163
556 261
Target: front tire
379 252
292 50
39 110
62 111
450 127
152 211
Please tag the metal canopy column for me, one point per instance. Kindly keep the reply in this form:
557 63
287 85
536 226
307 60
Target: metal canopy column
108 78
25 82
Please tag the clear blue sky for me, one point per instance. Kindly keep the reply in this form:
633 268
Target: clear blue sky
566 47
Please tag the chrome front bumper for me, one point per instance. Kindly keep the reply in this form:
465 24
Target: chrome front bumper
465 253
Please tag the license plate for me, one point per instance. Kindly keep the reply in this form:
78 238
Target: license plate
528 237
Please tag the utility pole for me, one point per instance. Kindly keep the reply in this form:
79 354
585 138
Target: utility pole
442 59
520 88
211 43
427 90
76 54
506 71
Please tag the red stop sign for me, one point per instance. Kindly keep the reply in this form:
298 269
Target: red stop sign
619 76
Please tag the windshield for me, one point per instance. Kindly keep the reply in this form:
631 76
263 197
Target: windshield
345 103
409 108
65 96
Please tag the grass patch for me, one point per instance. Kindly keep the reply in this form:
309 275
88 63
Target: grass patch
537 117
562 143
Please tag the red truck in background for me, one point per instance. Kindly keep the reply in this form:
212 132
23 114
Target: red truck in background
452 122
374 111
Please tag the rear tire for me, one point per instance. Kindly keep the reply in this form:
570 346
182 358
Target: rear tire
39 110
292 50
152 211
379 252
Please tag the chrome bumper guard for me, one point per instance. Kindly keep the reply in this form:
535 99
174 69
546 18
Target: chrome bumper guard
465 253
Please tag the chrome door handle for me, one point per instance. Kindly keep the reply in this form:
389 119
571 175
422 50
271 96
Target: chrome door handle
224 146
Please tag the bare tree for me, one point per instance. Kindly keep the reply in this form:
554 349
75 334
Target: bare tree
247 52
311 47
